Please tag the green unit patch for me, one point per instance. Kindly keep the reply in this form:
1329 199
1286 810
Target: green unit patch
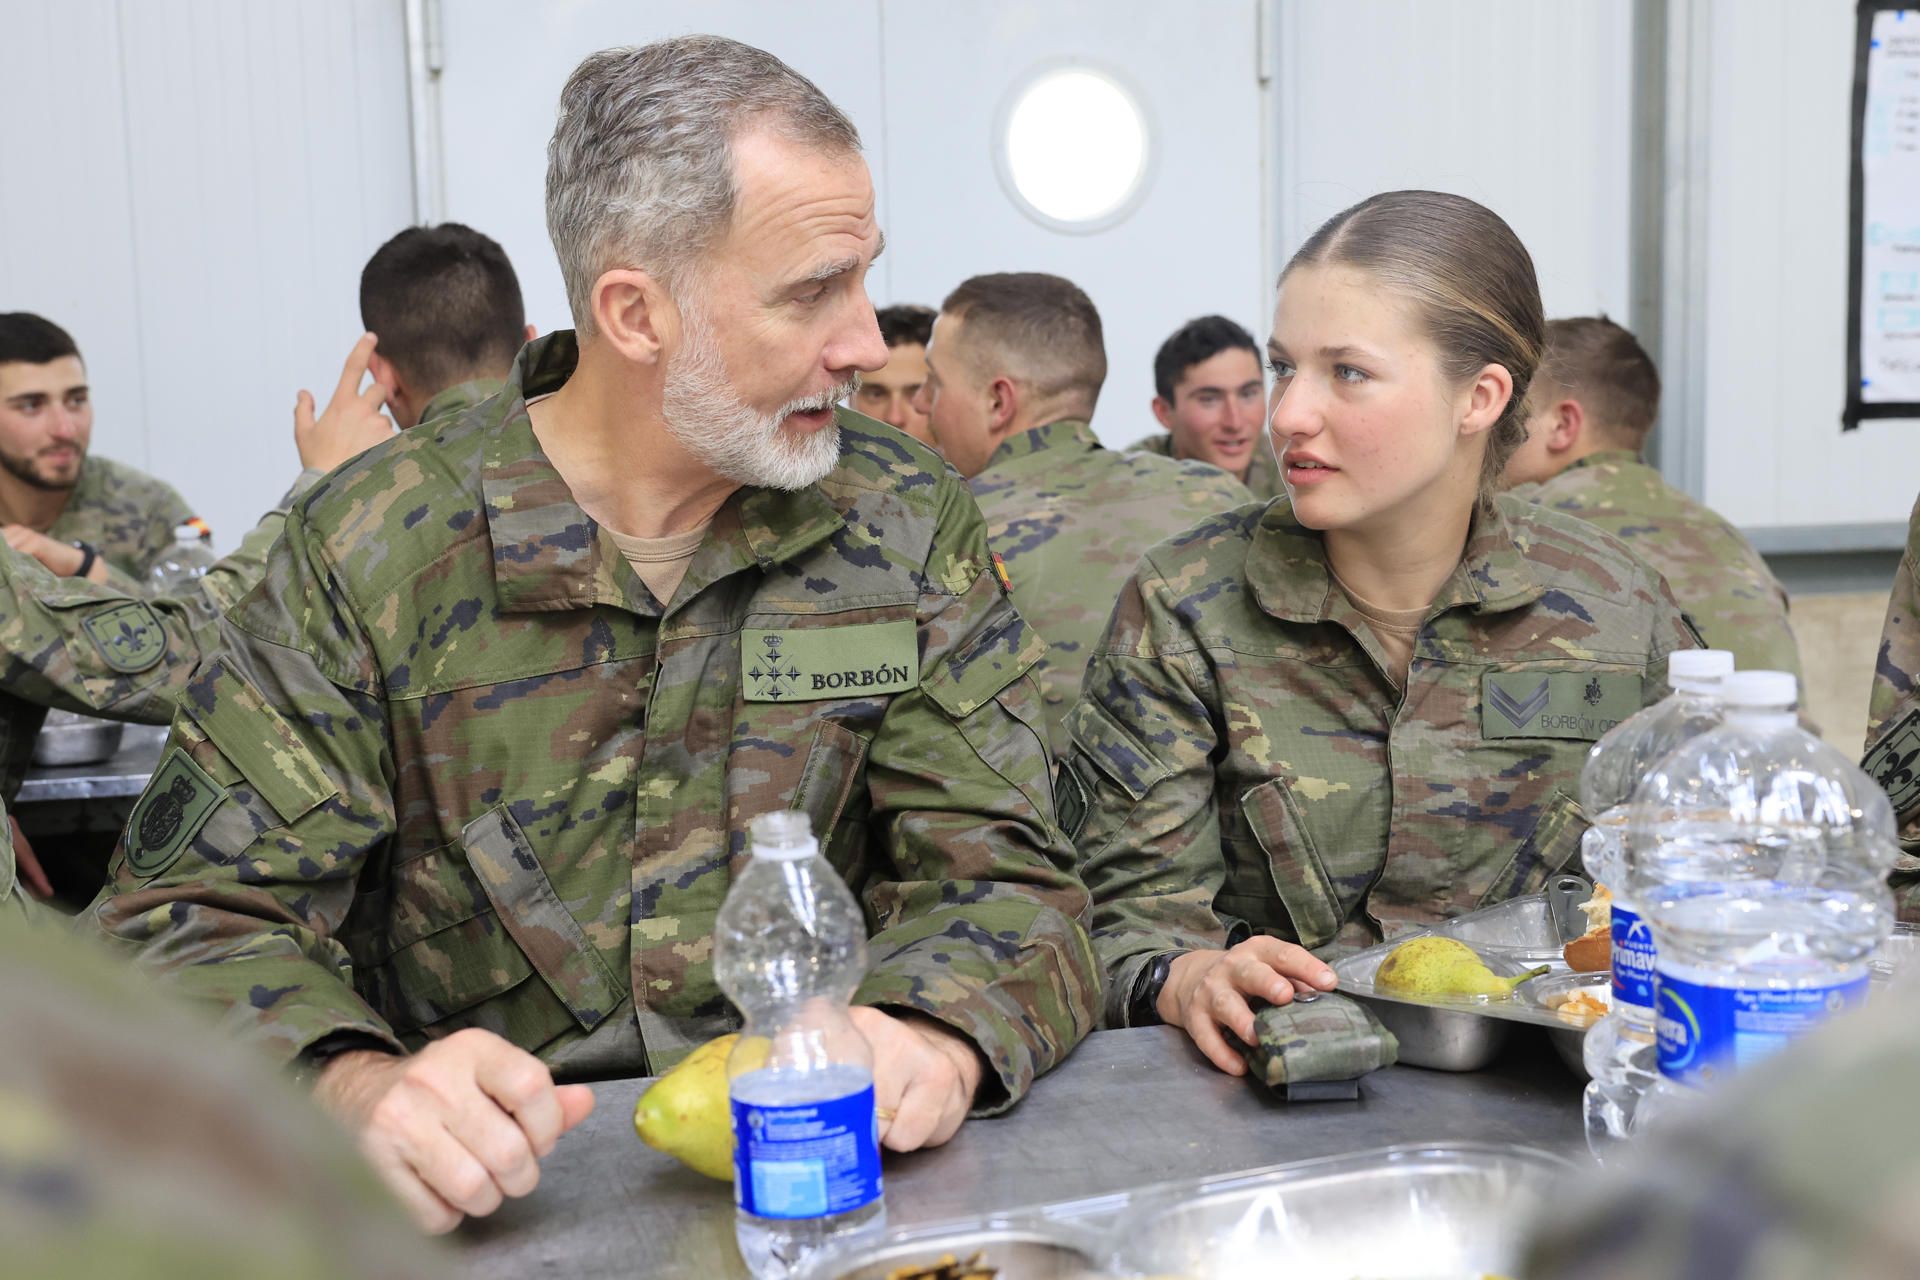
791 664
1555 704
127 635
175 805
1894 763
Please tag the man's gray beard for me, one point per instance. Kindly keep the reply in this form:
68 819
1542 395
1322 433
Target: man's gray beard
21 469
711 422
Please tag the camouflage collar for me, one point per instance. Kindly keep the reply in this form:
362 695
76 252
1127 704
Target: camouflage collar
549 554
1615 457
1287 569
1161 444
1067 433
460 397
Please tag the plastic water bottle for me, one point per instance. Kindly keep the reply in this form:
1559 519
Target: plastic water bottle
1760 858
189 558
789 949
1619 1050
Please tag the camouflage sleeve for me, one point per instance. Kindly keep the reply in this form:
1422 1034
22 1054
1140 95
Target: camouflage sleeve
980 922
1669 630
1893 719
1141 753
238 572
85 647
238 865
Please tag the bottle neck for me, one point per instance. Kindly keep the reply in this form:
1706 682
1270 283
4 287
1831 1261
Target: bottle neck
1760 717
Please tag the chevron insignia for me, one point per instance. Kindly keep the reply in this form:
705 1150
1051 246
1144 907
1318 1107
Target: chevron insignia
1518 710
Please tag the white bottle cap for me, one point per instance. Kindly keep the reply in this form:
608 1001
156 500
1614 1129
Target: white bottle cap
785 835
1698 670
1760 690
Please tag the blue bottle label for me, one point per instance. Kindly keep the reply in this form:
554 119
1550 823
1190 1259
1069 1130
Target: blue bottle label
1632 958
1706 1032
809 1161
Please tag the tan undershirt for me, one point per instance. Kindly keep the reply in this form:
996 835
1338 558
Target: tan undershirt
1396 629
661 562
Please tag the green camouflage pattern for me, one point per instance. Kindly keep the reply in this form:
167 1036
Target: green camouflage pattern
1250 768
127 515
473 774
16 907
1716 575
1263 480
135 1141
1327 1038
1788 1170
1893 717
1070 519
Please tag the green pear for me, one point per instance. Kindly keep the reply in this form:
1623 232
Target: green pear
687 1114
1441 968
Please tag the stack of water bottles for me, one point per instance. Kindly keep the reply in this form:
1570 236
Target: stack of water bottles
789 950
1752 857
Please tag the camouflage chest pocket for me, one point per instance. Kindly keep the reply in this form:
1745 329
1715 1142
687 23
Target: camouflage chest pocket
1547 849
1284 865
477 937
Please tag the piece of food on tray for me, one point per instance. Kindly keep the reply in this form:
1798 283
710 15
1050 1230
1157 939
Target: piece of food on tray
948 1268
1580 1007
1433 968
1592 951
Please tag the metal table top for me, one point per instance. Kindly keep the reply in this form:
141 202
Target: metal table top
1129 1108
125 774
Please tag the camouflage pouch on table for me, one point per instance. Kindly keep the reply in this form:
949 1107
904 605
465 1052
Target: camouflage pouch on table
1331 1038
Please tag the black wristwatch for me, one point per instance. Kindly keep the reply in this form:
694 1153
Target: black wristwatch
312 1060
88 554
1143 1010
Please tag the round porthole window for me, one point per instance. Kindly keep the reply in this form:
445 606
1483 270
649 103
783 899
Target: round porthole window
1073 148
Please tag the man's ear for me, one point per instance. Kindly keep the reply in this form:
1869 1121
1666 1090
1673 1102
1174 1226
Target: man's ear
634 314
1569 427
532 333
1003 405
385 374
1163 412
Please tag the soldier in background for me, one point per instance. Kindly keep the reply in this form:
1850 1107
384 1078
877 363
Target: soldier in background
1365 707
1589 413
455 810
1211 396
1893 716
1014 371
891 392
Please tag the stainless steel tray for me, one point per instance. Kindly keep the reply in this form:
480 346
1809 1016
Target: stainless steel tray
1550 991
1460 1210
69 739
1466 1033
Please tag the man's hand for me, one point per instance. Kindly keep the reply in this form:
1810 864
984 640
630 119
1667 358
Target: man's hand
351 423
456 1127
61 558
26 866
1208 990
924 1077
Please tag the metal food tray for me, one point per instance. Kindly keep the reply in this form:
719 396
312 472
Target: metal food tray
1466 1033
1396 1213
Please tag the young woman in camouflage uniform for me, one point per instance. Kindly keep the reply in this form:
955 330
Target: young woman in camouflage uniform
1363 706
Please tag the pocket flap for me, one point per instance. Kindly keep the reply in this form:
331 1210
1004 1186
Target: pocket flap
257 740
1551 844
539 923
1298 876
1005 649
827 778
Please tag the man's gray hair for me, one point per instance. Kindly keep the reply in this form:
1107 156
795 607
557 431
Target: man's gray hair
640 170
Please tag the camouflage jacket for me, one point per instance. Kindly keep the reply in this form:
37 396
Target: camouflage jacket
127 515
1263 473
459 768
1893 717
1242 764
1070 519
1716 575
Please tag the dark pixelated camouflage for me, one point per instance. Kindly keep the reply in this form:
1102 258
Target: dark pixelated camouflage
127 515
472 774
1893 717
1790 1170
1250 768
1263 473
1716 575
1327 1038
1071 519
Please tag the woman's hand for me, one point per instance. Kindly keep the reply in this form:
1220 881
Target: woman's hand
1208 990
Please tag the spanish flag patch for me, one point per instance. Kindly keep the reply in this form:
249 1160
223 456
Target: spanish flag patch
1000 572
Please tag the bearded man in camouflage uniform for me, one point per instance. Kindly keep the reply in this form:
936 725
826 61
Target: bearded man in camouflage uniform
456 811
1013 371
1589 413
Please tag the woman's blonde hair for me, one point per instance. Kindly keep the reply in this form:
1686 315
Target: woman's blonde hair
1470 281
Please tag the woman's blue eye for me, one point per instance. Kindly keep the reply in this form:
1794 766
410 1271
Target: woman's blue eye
1347 373
1279 368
